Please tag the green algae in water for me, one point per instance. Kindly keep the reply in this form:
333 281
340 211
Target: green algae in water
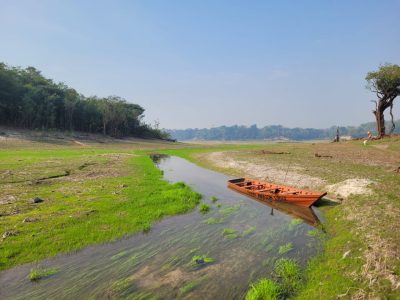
232 236
294 223
313 232
229 210
119 255
269 261
214 199
230 233
122 287
37 274
285 248
211 221
144 296
201 260
133 260
249 231
188 287
204 208
171 263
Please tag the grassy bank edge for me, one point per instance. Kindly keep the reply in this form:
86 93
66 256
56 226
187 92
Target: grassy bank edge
146 199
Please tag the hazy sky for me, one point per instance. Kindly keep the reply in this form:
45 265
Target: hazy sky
204 63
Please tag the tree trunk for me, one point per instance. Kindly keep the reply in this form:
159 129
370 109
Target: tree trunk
380 122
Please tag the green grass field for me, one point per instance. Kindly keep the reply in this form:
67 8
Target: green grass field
114 194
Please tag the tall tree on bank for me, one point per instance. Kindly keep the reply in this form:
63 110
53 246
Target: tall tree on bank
385 83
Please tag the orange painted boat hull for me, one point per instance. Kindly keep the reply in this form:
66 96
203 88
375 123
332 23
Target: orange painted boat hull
269 191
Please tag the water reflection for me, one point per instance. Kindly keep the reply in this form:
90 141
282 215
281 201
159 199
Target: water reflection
306 214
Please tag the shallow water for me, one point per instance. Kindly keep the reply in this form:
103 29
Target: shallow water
159 263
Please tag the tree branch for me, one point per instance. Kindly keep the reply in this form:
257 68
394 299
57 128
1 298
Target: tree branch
391 115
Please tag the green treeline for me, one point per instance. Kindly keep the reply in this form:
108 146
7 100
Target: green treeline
232 133
29 100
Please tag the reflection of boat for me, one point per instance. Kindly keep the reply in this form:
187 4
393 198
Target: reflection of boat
305 213
275 192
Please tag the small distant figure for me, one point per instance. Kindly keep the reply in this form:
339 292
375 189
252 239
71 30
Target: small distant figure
336 140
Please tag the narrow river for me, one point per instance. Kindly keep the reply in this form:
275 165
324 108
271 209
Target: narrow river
241 235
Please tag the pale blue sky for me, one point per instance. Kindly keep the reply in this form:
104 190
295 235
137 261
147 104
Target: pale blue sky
208 63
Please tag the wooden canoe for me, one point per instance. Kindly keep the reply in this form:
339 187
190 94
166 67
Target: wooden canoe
276 192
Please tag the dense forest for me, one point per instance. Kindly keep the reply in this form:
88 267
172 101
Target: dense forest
230 133
29 100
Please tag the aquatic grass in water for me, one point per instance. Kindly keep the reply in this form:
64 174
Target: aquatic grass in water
119 255
232 236
285 248
214 199
201 260
188 287
122 287
230 233
229 210
204 208
211 221
249 231
37 274
171 262
294 223
264 289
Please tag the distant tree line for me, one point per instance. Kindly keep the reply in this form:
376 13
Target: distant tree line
29 100
231 133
